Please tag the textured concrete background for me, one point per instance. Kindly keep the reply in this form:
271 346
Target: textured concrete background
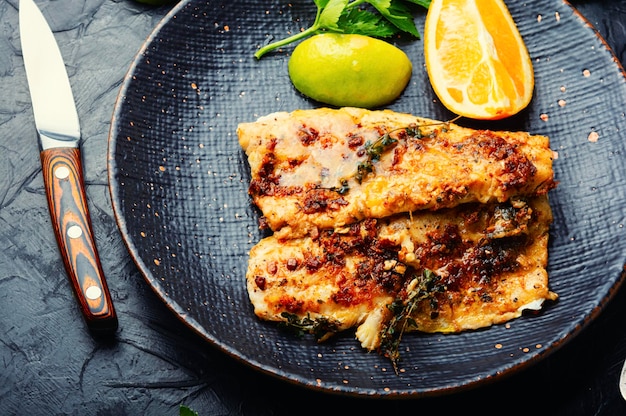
49 363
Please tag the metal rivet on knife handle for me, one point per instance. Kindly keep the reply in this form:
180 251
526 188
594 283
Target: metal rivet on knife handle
71 222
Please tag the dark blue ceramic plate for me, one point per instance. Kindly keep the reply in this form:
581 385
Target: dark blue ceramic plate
179 187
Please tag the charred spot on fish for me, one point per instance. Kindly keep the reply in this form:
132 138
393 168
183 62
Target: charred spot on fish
294 163
355 141
319 200
308 135
313 263
290 304
292 264
260 282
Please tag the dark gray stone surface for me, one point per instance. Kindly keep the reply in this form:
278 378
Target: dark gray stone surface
49 362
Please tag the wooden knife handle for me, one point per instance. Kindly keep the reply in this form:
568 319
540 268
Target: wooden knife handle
63 179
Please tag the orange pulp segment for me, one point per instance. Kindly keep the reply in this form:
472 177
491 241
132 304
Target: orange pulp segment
476 59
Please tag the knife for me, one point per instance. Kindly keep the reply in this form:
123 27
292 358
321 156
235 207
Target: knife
58 130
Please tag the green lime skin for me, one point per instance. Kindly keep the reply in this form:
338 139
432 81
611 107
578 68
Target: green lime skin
349 70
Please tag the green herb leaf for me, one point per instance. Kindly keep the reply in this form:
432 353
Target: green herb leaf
364 22
329 15
423 3
320 327
343 16
186 411
397 13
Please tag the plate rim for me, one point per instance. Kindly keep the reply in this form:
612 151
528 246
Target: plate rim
531 358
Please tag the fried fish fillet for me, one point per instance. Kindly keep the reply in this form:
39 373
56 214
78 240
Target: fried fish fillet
326 168
448 270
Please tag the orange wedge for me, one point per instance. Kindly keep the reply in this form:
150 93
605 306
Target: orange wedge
476 59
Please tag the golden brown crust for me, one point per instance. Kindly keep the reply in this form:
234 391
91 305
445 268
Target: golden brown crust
490 258
305 166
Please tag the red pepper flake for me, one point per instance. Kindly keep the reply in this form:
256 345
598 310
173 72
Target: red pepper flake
292 264
261 282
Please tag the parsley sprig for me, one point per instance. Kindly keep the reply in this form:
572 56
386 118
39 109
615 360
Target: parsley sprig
320 327
351 17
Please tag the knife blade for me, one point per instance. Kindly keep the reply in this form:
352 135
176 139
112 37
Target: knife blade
58 130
